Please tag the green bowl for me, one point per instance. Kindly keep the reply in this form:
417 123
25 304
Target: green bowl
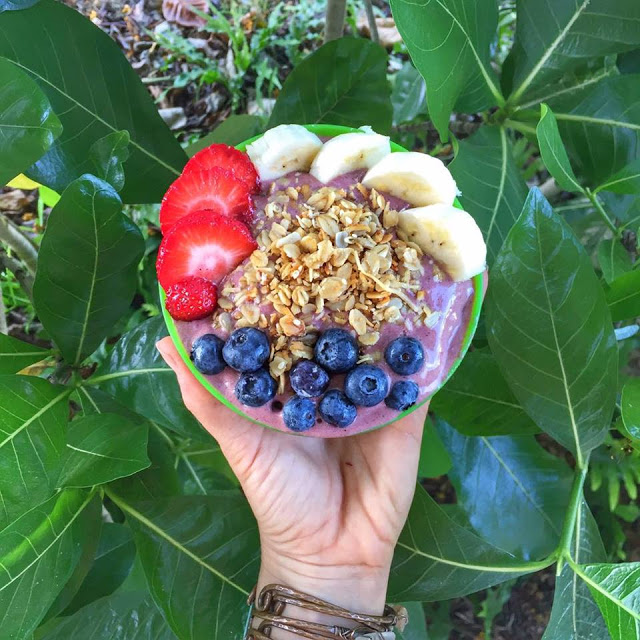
329 130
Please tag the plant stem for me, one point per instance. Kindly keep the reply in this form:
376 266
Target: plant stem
600 209
520 126
24 278
335 16
373 27
571 516
3 316
18 242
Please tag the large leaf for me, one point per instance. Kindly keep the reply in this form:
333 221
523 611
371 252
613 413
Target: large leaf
16 5
136 376
232 131
33 416
434 458
94 91
493 190
38 553
575 616
87 267
478 402
417 627
437 559
627 180
409 94
514 492
616 589
108 156
200 555
561 35
631 407
613 258
343 82
28 126
550 329
102 448
130 615
623 296
449 44
15 355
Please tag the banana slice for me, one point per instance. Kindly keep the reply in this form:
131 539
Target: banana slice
415 177
449 235
348 152
283 149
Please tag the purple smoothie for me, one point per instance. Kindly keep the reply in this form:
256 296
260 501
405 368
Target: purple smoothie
450 303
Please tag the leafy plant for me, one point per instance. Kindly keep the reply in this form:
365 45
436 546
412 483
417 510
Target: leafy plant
127 517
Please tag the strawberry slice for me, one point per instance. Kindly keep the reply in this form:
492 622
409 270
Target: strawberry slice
215 189
204 244
222 155
191 299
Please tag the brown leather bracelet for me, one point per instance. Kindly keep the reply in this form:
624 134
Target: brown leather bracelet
269 606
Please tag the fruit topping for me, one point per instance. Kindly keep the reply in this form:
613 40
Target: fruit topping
299 414
255 388
283 149
191 298
366 385
336 350
222 155
403 395
247 349
337 409
203 244
207 354
404 355
308 379
216 190
418 178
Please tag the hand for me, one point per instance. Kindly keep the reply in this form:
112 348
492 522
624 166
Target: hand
329 512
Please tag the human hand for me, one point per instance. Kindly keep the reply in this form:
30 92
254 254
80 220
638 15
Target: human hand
329 511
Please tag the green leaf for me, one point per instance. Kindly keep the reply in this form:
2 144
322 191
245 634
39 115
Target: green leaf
38 553
575 616
478 402
95 92
434 458
232 131
437 559
409 94
627 180
493 190
616 589
514 492
629 62
87 267
33 417
111 566
28 126
553 153
16 5
200 555
449 43
15 355
565 35
417 627
102 448
631 407
613 258
108 156
550 329
343 82
623 296
136 376
130 615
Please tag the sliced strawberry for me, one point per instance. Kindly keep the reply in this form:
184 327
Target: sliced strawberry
204 244
215 189
222 155
191 299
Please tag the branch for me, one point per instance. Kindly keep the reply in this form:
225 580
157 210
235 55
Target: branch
24 278
550 190
18 242
373 27
3 316
334 19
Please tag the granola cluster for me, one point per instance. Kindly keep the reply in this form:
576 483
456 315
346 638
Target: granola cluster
335 259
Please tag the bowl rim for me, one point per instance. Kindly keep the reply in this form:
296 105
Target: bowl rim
474 315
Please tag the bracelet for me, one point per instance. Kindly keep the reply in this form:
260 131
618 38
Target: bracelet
270 603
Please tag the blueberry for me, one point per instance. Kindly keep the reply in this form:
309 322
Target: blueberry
366 385
404 355
336 350
207 354
337 409
404 394
255 388
308 379
247 349
299 414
